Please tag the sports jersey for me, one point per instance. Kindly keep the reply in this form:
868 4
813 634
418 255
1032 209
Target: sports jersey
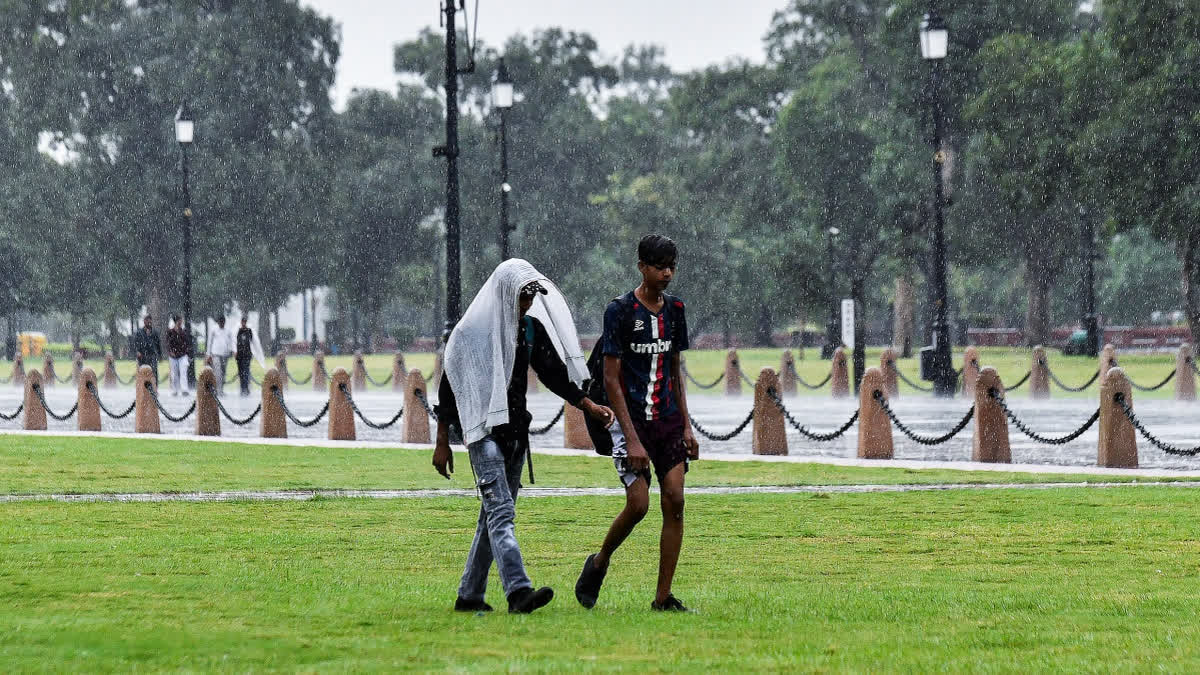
648 345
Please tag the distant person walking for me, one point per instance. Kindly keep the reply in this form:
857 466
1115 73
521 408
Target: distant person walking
177 354
245 352
220 347
147 346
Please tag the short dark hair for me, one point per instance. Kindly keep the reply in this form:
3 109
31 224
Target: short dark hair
177 317
655 249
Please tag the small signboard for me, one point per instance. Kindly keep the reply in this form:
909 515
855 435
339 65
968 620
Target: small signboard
848 322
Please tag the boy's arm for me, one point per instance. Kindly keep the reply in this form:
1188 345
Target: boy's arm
689 439
553 373
447 409
637 457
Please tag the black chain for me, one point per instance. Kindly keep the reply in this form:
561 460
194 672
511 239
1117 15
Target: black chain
1038 437
905 380
232 378
722 437
63 380
923 440
1161 445
698 383
124 382
293 418
425 404
1192 363
430 378
1020 382
164 378
747 380
301 382
546 429
792 367
1059 382
37 389
803 429
324 373
92 388
154 395
221 406
1156 387
255 380
361 416
14 415
370 379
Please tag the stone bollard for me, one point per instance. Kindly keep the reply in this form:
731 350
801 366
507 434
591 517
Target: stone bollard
18 371
1039 374
110 371
575 434
970 371
840 382
398 372
208 418
887 368
35 412
87 416
359 372
282 367
76 366
769 436
1118 442
1108 360
208 361
145 414
531 382
318 378
990 443
1185 375
49 379
437 371
733 380
341 415
787 373
874 427
272 421
416 420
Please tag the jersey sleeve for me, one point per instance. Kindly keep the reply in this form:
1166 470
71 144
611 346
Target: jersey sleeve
680 341
610 339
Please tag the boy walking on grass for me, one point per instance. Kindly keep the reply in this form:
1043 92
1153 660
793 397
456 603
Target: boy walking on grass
644 331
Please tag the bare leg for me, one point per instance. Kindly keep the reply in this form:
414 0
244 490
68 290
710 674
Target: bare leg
672 530
637 502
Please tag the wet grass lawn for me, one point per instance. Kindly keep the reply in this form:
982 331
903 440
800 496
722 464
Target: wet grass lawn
981 581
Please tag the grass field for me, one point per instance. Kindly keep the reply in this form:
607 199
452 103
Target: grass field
706 365
990 581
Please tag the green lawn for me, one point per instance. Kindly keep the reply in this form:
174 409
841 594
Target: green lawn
981 581
48 465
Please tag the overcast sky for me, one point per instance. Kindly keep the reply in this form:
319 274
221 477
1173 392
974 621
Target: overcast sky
694 33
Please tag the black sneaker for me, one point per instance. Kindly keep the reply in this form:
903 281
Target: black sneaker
672 604
461 605
526 600
587 589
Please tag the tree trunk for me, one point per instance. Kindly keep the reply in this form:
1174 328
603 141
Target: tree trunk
762 333
156 303
262 327
902 318
113 345
1037 313
1190 282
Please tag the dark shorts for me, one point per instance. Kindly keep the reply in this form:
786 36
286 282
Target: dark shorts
663 440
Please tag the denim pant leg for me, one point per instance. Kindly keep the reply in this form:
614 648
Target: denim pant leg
495 535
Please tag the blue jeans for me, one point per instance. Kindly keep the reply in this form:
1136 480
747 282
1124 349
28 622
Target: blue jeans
495 535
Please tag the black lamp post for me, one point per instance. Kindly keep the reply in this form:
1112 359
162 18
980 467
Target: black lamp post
832 339
502 99
1092 348
184 131
936 363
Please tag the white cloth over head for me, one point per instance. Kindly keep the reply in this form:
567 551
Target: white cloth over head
483 346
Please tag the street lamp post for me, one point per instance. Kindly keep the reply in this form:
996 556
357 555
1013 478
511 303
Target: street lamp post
502 99
1087 239
832 340
936 359
184 131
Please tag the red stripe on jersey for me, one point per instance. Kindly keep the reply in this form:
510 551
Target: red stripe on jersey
656 387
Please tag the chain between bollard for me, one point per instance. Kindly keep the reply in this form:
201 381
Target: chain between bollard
353 406
722 437
300 382
806 384
923 440
905 380
425 404
370 379
231 418
37 389
546 429
833 435
1119 398
15 414
132 405
1021 381
63 380
747 380
1156 387
1012 417
293 418
255 380
1065 387
161 409
123 382
696 382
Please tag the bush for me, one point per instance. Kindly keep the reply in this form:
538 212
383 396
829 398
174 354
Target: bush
404 336
286 334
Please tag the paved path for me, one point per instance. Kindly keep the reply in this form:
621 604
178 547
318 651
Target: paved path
303 495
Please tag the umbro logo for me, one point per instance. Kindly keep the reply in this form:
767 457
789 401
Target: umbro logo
638 324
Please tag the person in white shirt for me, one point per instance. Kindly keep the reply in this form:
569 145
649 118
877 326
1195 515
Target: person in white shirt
220 346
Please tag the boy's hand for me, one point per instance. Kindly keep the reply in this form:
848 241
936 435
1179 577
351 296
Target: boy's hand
443 459
636 455
691 444
602 413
